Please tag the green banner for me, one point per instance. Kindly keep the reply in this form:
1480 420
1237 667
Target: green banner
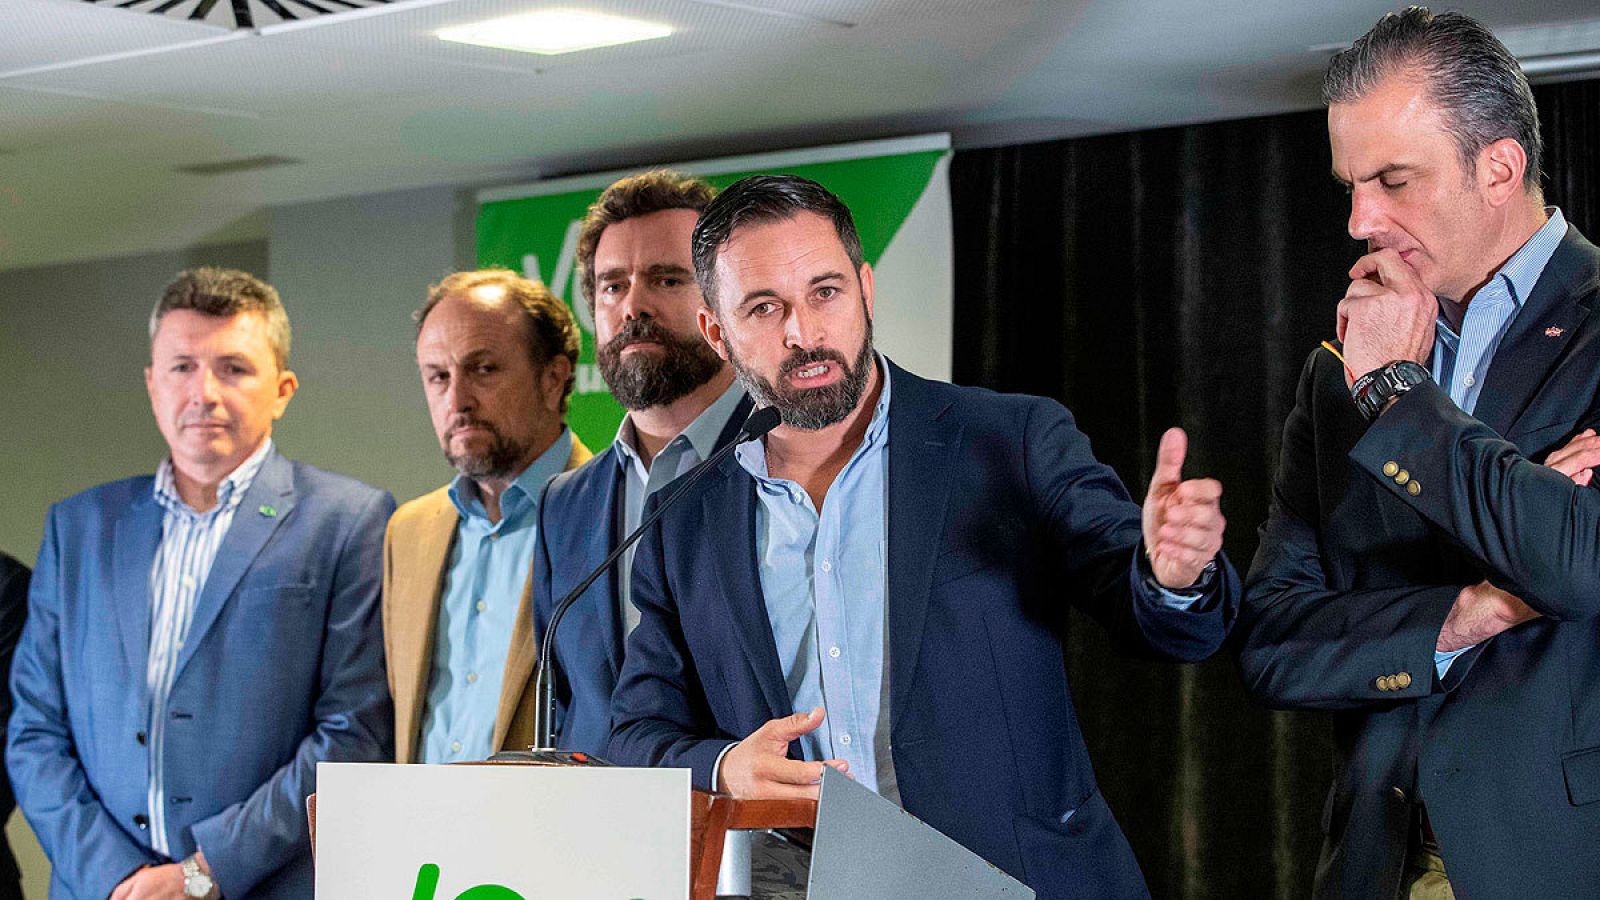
537 235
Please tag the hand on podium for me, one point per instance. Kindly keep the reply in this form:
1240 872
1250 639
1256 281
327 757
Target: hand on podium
758 767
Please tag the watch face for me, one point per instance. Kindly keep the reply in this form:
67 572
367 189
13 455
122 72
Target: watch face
197 885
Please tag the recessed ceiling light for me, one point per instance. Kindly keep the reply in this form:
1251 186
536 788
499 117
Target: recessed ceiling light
553 31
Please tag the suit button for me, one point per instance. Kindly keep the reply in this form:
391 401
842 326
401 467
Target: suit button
1390 467
141 820
1414 488
1402 476
1383 682
1398 794
1404 680
140 738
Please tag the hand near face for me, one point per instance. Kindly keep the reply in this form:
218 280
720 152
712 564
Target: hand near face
758 767
1387 314
152 883
1183 521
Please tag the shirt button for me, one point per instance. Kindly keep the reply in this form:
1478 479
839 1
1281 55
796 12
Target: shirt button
472 678
844 739
141 820
455 746
1468 381
494 536
833 652
482 606
827 566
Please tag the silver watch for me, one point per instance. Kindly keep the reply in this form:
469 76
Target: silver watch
195 882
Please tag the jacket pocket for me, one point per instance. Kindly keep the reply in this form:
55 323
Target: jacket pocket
1080 852
1582 770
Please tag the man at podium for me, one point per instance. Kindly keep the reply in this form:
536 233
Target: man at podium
881 583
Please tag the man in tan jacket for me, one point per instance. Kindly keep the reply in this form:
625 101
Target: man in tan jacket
497 355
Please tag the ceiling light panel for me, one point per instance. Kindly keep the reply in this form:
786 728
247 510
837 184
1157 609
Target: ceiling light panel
551 32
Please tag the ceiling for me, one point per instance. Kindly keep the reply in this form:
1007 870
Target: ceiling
99 106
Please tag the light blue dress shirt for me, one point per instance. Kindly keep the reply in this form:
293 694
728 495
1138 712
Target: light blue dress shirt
824 578
189 544
695 443
1461 361
488 568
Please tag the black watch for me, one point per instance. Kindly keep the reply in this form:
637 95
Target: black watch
1374 390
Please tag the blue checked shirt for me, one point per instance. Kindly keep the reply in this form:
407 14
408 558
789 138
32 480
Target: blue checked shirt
1460 361
189 542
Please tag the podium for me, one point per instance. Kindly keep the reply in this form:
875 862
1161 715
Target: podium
519 832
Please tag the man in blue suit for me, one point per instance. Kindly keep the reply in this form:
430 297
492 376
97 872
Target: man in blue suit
683 405
198 640
881 584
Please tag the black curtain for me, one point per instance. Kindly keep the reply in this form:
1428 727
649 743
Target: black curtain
1181 277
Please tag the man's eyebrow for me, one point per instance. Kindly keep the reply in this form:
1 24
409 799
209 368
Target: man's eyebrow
762 294
613 272
659 269
1390 169
830 276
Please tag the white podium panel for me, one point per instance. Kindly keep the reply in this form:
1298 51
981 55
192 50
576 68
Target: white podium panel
501 833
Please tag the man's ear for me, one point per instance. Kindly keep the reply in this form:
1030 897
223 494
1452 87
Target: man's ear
1502 165
867 290
553 380
711 330
287 385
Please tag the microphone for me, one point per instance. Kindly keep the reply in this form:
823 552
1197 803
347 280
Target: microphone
544 749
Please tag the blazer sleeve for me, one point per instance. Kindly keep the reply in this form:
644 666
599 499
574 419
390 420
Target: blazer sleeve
659 712
1096 529
75 830
1531 527
248 841
1305 643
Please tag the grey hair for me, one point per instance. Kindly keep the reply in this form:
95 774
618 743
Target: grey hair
226 293
1470 76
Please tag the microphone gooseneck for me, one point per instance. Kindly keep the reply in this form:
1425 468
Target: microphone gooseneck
755 427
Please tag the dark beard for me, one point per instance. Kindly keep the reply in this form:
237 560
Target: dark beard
811 409
500 460
644 380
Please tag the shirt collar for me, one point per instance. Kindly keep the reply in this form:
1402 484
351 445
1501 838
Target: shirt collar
230 492
753 454
523 493
701 434
1521 272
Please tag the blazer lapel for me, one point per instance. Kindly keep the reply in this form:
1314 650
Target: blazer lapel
273 488
1552 314
419 585
729 523
606 592
921 453
138 534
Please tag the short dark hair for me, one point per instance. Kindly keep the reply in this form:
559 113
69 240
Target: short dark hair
762 199
551 330
637 195
226 293
1469 73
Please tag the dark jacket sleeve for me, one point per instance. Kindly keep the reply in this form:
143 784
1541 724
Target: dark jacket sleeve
1305 641
1534 530
1094 527
659 712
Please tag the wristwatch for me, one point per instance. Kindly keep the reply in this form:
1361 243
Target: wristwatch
1373 391
195 882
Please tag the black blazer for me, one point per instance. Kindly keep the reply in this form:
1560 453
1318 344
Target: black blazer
1359 565
999 517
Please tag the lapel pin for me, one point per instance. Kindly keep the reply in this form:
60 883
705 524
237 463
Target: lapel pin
268 511
1554 331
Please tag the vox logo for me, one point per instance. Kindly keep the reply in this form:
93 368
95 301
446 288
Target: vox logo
428 887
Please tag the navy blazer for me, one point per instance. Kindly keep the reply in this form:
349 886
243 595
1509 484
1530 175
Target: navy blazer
1359 566
579 524
999 516
282 668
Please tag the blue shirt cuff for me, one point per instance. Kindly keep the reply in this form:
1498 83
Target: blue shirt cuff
1443 658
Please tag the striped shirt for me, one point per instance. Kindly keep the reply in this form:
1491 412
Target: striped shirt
189 542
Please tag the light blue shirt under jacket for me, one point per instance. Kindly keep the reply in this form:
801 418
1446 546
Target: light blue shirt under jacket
1461 361
824 578
488 568
692 445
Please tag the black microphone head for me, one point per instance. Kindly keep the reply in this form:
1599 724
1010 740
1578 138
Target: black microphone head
760 422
